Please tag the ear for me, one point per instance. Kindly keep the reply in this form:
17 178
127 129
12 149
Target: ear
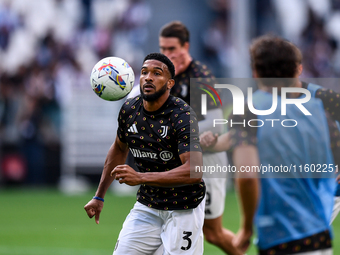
186 46
170 83
255 75
300 69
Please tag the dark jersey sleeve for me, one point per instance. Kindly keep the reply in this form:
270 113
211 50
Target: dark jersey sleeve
243 134
122 117
334 138
331 102
186 126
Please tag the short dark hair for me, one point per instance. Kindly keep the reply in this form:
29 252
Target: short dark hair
164 59
274 57
176 29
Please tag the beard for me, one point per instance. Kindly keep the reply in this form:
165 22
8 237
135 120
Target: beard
154 96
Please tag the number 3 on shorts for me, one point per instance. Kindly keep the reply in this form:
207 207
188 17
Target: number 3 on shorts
186 237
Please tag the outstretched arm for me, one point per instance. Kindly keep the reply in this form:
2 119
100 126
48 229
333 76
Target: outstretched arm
248 190
116 156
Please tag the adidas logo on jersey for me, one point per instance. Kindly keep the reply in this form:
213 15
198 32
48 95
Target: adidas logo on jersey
133 129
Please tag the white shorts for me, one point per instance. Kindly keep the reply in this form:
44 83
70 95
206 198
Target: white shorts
146 229
336 208
216 184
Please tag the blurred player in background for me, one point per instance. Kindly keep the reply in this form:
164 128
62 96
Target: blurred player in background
331 102
155 127
336 207
293 213
174 43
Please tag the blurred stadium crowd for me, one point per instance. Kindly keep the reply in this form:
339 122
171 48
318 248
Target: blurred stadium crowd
46 46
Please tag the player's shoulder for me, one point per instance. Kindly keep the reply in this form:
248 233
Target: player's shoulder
178 103
132 103
201 70
180 109
325 94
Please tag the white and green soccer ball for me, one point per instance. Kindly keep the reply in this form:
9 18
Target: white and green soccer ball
112 78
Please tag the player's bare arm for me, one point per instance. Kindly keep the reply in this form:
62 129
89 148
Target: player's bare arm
116 156
182 175
248 189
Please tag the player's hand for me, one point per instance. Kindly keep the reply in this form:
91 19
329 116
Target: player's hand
126 174
94 208
242 239
208 140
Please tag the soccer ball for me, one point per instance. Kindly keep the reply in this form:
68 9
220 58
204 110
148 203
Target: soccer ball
112 78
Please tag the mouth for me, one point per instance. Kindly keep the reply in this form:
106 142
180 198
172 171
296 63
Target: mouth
149 87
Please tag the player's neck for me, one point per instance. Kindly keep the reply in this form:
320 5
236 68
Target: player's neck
186 63
152 106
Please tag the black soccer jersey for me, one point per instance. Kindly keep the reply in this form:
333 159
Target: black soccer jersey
184 90
156 139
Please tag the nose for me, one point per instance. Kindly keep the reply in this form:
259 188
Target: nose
148 77
169 54
166 52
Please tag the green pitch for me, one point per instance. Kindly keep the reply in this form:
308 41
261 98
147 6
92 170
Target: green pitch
44 221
